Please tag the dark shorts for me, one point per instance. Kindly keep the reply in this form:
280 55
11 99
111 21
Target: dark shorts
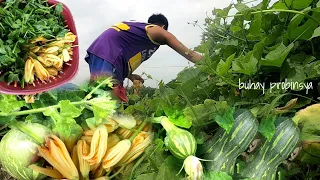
99 66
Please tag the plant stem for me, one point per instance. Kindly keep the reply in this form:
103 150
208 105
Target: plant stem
27 131
32 111
88 96
138 130
137 164
115 174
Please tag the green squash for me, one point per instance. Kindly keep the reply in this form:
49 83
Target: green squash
264 162
224 148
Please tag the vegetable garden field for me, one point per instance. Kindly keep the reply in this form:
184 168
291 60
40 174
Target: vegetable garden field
248 110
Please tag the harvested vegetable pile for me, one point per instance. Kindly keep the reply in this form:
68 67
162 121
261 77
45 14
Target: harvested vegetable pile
34 41
70 134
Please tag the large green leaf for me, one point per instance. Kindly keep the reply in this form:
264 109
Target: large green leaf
316 33
298 4
245 64
255 25
224 66
298 29
277 56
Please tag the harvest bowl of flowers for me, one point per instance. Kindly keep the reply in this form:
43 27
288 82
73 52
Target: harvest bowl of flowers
38 46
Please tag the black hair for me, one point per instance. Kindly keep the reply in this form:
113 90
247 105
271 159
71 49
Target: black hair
159 19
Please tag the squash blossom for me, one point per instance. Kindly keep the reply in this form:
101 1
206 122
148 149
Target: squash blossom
111 125
59 64
44 62
193 168
51 57
57 155
115 154
41 72
35 49
139 144
88 139
39 39
124 133
98 146
66 56
52 71
83 149
29 70
69 37
52 49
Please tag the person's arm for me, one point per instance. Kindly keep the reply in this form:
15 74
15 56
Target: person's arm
163 37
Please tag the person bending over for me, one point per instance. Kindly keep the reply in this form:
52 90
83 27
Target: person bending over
120 50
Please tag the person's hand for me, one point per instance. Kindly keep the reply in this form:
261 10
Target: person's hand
133 77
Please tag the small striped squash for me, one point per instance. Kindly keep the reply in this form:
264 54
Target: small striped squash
180 142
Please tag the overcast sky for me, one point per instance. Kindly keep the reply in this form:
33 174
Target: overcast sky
92 17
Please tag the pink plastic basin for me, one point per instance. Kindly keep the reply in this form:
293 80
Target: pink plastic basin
69 72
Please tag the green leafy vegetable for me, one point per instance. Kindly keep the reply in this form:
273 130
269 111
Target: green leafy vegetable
21 22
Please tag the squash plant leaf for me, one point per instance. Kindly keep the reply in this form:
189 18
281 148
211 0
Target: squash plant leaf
316 32
245 64
226 119
267 127
277 56
217 175
224 66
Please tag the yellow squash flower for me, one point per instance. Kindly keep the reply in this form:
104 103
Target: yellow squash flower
66 56
115 154
55 153
52 71
41 72
111 125
139 144
98 146
83 149
29 70
124 133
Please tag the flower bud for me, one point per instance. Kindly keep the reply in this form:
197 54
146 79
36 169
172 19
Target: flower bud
41 72
52 71
55 153
66 56
70 37
44 61
39 39
115 154
111 125
52 49
98 146
29 70
139 144
82 150
193 168
35 49
124 133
